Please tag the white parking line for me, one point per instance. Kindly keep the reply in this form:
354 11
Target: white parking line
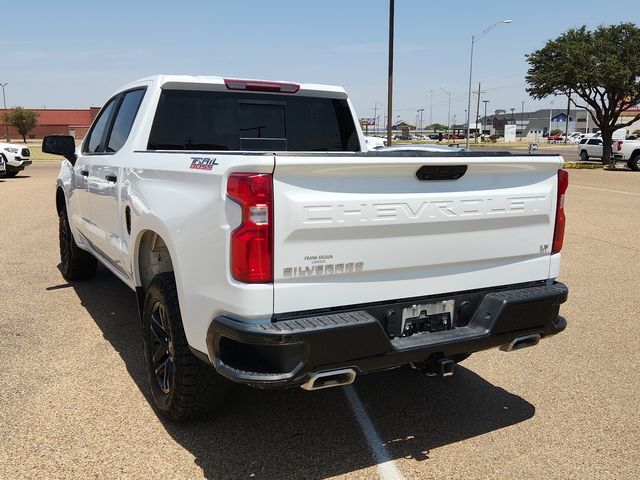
607 190
386 466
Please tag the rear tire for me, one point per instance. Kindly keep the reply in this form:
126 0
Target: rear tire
75 263
11 174
183 387
584 156
634 163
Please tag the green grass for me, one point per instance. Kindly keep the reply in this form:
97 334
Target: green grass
37 155
583 166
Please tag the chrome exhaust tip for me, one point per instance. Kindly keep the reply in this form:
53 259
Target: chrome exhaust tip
330 378
524 341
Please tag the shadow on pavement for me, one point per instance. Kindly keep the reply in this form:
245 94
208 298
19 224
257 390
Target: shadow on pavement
298 434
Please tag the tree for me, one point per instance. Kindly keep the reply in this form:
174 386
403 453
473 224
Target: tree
600 67
22 119
435 127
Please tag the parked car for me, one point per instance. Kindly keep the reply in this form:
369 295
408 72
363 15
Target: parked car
17 157
374 143
574 137
620 134
556 138
297 257
590 147
424 148
3 168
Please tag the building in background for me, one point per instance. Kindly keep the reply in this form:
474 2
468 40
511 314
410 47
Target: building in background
55 121
629 115
537 123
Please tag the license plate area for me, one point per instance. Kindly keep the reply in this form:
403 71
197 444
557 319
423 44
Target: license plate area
423 318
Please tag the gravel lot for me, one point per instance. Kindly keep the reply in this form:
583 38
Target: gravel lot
74 401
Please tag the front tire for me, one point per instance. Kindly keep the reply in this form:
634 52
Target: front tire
75 263
11 174
634 163
584 156
183 387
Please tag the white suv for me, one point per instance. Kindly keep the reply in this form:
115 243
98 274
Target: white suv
590 147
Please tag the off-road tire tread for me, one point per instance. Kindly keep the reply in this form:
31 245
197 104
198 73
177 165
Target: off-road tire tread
198 388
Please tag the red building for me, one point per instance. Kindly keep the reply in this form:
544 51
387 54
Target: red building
55 121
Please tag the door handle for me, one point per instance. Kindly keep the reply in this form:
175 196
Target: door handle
111 178
84 173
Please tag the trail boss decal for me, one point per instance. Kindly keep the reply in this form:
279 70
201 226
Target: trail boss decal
203 163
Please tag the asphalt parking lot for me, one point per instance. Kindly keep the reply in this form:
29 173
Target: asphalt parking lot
74 401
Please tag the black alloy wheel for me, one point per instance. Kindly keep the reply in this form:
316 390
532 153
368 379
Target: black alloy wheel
162 348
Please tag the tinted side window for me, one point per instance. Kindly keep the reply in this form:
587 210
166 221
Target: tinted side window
124 119
190 120
93 143
200 120
320 125
593 142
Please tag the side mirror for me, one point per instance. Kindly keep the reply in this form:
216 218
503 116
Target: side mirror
63 145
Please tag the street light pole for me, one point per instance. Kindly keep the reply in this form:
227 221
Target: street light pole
390 79
431 108
449 112
4 100
474 39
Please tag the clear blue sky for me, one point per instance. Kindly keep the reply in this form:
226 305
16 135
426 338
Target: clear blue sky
72 54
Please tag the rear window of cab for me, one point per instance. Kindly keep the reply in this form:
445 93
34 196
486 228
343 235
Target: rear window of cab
204 120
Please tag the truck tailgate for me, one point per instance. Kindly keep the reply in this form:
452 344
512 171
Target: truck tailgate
352 229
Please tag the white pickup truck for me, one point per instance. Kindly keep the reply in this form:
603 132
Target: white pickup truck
268 247
16 157
627 151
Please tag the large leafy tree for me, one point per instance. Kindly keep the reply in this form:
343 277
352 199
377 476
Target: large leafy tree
22 119
599 69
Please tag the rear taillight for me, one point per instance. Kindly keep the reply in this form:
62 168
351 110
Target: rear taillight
252 241
261 86
618 145
561 220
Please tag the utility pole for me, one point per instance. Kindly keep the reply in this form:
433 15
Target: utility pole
477 113
4 99
484 128
566 128
431 108
375 115
390 78
522 122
